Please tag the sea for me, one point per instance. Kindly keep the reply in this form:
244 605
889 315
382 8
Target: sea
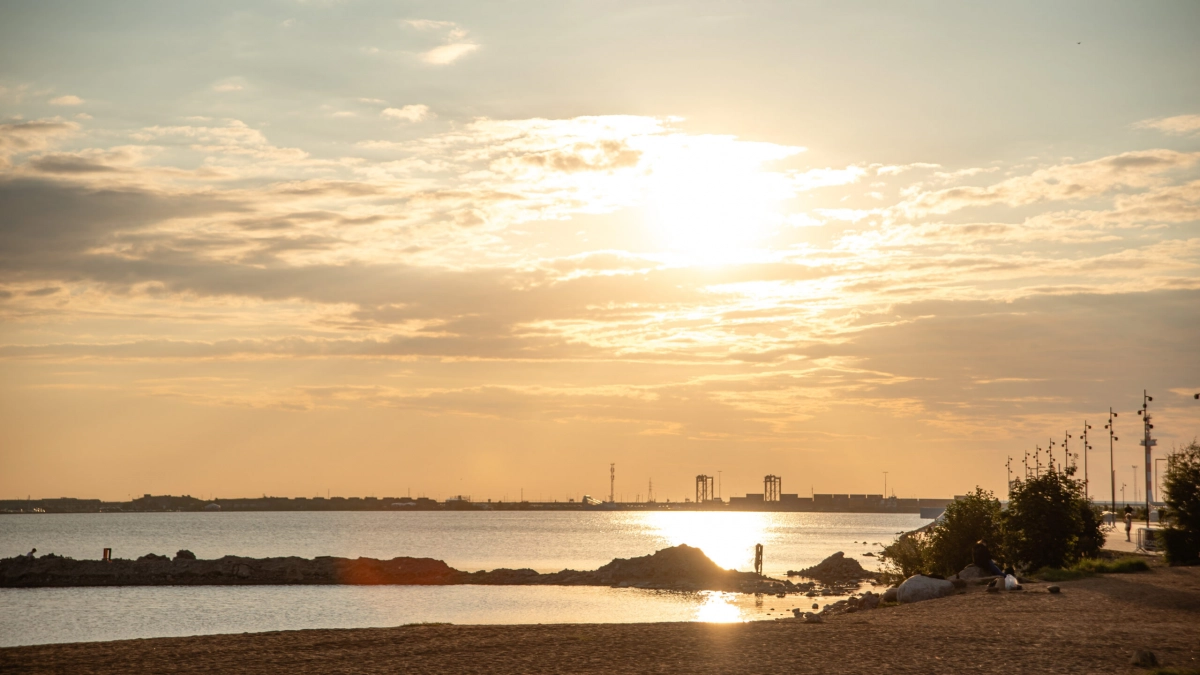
543 541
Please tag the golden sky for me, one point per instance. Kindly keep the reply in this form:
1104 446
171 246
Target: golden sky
370 248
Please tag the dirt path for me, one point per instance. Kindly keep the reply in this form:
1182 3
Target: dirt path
1093 626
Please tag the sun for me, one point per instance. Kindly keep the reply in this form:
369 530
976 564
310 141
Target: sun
710 201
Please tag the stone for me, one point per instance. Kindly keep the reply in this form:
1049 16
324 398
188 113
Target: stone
891 594
1144 658
797 613
918 588
1053 589
869 601
959 583
816 606
184 554
836 567
813 618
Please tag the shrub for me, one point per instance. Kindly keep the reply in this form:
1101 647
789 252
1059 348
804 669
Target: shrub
1049 522
905 557
1181 493
974 518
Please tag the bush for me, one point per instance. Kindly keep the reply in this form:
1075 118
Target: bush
905 557
974 518
1181 493
1049 522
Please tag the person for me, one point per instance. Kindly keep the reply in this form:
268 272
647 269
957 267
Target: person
1128 522
982 557
30 554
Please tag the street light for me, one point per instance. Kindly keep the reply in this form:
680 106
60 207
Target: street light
1112 467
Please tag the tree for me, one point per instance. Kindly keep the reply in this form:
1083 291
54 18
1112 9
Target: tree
1181 493
1049 522
973 518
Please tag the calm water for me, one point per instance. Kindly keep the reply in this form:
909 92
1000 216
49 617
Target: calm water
546 542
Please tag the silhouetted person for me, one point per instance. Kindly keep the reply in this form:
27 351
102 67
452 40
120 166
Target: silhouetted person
1128 522
982 557
30 554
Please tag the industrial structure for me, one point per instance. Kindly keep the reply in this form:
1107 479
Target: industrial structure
704 489
772 486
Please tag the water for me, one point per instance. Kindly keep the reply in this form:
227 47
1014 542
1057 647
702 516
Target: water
546 542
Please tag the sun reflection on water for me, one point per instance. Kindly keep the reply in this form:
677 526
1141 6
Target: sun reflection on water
718 608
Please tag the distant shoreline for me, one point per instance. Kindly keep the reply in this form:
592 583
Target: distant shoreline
821 503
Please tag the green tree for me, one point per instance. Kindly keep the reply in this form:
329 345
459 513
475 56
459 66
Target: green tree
1049 522
970 519
1181 493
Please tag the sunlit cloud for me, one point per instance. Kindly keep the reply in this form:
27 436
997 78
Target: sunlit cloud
1179 124
408 113
457 44
68 100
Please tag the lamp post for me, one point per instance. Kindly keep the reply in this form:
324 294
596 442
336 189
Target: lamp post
1147 442
1086 447
1112 465
1135 486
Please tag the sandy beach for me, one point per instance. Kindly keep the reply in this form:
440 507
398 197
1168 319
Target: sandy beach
1093 626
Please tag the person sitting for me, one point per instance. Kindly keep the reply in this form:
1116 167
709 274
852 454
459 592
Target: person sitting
982 557
30 554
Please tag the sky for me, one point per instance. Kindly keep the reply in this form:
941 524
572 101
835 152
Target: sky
354 247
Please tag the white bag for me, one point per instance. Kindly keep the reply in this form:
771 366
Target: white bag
1010 582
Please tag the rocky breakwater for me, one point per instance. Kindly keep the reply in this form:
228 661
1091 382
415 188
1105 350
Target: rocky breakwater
677 568
185 570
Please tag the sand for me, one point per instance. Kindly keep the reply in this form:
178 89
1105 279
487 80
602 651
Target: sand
1093 626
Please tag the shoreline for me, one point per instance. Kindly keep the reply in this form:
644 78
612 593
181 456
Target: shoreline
1094 625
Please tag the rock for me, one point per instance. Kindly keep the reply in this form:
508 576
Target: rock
152 557
796 612
868 554
1053 589
816 606
869 601
891 594
836 567
918 588
184 554
1144 658
813 618
959 583
971 572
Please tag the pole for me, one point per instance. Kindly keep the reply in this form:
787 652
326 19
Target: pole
1112 464
1149 443
885 484
1086 486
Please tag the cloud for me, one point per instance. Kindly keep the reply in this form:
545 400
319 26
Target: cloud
1084 180
1179 124
23 137
68 100
454 36
228 85
446 54
409 113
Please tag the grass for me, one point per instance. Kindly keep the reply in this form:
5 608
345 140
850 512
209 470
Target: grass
1091 566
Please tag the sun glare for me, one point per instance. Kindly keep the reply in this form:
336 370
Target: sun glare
728 539
711 201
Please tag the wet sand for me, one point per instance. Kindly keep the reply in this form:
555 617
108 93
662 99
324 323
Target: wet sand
1093 626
